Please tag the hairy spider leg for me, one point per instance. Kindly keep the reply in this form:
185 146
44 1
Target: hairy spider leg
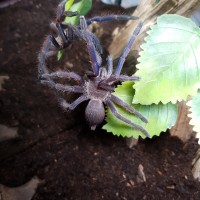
107 87
47 51
63 88
74 104
123 78
60 10
110 18
94 56
64 74
96 43
127 49
130 109
63 103
120 117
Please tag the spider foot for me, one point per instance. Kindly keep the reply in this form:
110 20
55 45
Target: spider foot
63 103
73 105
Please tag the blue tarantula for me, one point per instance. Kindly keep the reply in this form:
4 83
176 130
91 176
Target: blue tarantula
98 85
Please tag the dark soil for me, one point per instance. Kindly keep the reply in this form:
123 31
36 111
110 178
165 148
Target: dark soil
58 147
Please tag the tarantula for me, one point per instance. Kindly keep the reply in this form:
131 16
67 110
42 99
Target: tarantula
98 85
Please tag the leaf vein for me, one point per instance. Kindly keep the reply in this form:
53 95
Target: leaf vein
180 29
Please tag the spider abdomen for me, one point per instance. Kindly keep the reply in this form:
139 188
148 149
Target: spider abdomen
95 113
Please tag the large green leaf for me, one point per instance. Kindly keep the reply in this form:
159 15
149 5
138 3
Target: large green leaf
194 105
160 117
169 63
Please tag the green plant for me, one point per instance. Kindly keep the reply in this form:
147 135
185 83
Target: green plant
169 67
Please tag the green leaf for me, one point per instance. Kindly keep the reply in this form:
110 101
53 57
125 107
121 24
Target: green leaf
160 117
84 6
68 4
60 54
194 105
169 64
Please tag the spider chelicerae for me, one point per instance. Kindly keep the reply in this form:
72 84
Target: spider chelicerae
98 85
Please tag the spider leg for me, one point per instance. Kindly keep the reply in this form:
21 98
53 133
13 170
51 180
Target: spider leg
63 88
60 10
47 51
97 43
110 17
94 56
63 74
130 109
74 104
107 87
120 117
62 102
47 48
127 49
123 78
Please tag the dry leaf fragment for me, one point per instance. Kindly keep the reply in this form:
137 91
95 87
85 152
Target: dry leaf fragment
141 176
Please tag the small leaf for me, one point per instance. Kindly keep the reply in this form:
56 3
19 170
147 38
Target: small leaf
60 54
169 64
160 117
194 105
